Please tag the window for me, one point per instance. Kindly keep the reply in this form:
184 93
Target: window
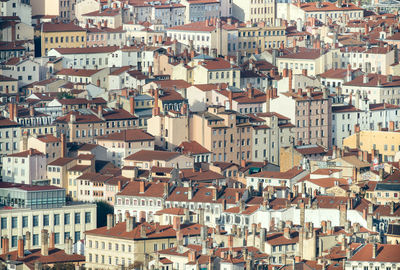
35 221
77 236
35 239
67 219
56 219
14 241
46 220
3 223
87 217
57 238
24 221
77 218
14 222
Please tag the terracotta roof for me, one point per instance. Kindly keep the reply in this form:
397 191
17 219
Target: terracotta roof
78 72
151 190
328 6
293 172
82 101
247 211
243 97
49 138
201 26
34 255
27 187
7 79
149 155
171 84
339 73
216 64
193 147
277 239
172 211
87 50
129 135
61 27
103 13
208 175
375 80
27 153
61 162
95 177
301 53
6 122
310 149
344 108
384 253
80 118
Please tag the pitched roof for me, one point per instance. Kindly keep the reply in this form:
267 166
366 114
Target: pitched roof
27 153
293 172
87 50
78 72
61 27
150 155
6 122
129 135
384 253
328 6
193 147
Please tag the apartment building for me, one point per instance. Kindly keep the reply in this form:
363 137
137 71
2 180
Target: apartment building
228 133
145 159
57 171
378 88
255 11
43 212
27 167
61 35
324 11
261 37
141 200
196 11
10 136
25 70
310 111
107 17
8 85
121 144
85 125
169 15
20 8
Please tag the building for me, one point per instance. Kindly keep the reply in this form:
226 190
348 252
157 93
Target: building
122 144
310 111
255 11
387 143
375 255
20 8
8 86
26 71
226 132
10 136
68 221
196 11
145 159
61 35
28 167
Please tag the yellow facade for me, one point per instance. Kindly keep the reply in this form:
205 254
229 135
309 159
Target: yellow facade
385 142
51 40
252 38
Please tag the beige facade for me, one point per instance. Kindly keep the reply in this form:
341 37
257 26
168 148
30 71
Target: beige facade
223 132
45 7
57 171
261 37
387 143
8 85
169 130
69 221
255 11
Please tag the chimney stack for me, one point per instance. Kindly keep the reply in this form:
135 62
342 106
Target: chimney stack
109 221
20 251
63 146
44 243
132 105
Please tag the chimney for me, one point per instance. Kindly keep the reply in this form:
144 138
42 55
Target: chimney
28 240
11 111
214 194
156 109
109 221
20 244
142 187
230 96
286 232
63 146
250 92
132 105
176 225
290 80
31 111
130 223
6 245
68 249
100 111
304 72
391 125
44 243
300 92
52 243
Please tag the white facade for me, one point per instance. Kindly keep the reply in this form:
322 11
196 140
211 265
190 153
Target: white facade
82 60
200 11
369 61
20 8
24 170
200 38
169 15
121 58
26 71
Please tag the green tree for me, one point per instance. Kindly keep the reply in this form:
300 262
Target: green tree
66 95
103 209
